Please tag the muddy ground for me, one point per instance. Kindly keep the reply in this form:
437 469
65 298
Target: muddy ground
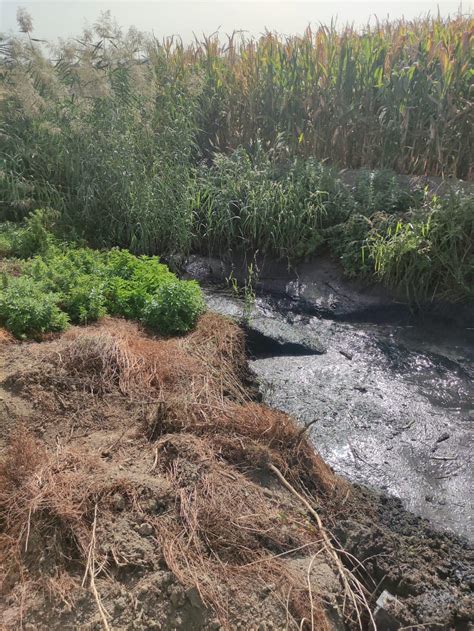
391 405
389 391
137 492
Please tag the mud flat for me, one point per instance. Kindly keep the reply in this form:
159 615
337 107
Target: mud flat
389 395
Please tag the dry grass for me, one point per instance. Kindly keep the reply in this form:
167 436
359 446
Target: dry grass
230 524
6 337
227 535
41 507
118 355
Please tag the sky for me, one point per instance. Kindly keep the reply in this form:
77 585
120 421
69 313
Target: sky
66 18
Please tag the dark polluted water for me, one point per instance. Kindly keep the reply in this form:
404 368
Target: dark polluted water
392 405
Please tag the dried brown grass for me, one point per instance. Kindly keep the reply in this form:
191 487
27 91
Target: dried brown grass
6 337
120 357
48 503
223 534
229 537
117 355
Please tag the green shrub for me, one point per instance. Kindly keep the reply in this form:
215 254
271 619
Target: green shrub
34 237
58 270
89 284
145 271
77 275
5 245
27 310
381 192
174 308
348 241
85 300
124 298
131 280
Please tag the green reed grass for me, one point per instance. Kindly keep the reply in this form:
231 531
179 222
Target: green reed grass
225 144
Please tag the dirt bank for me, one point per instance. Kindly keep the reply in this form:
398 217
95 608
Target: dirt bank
320 288
143 486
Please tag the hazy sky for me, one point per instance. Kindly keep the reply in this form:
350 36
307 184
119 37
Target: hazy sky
64 18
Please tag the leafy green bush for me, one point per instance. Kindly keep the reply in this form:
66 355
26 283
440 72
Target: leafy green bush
29 238
27 310
85 300
87 284
6 235
380 191
34 237
60 269
174 308
130 280
77 276
348 241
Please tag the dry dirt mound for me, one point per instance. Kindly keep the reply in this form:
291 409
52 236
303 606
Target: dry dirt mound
144 487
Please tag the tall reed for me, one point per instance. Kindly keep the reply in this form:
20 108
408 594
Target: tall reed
163 147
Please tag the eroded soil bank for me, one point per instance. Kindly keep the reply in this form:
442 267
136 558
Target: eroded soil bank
143 486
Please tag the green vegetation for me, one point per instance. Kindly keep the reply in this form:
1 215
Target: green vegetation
428 254
67 284
225 147
26 240
419 244
277 208
27 310
174 307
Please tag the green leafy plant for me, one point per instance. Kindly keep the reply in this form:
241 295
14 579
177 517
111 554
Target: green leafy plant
34 237
131 280
428 255
27 310
174 308
28 238
281 208
85 300
247 292
84 285
381 192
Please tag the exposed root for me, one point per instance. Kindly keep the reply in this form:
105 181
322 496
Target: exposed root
353 589
91 571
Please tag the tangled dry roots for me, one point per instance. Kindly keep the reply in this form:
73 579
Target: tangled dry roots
208 365
42 506
222 531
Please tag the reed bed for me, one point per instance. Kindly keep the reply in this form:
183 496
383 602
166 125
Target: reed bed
227 143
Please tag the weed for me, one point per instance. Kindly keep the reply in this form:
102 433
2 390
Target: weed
253 203
27 310
248 292
27 239
428 255
83 285
174 307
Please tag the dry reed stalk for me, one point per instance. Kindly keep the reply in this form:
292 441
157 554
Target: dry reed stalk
91 571
352 586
